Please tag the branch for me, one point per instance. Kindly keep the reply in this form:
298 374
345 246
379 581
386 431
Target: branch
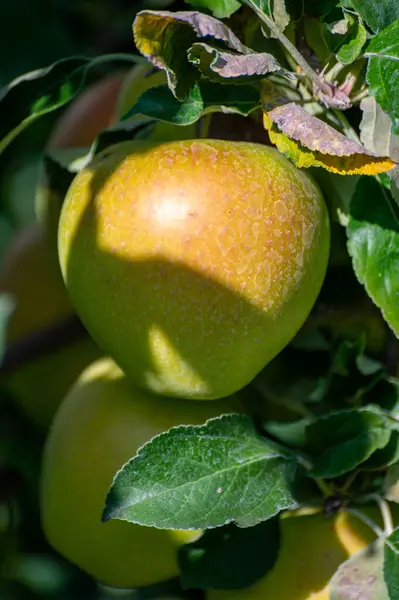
296 55
43 343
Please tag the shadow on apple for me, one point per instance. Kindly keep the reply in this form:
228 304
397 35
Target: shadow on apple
220 340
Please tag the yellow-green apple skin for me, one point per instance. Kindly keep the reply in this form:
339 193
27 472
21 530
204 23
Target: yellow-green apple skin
97 108
312 548
100 426
193 263
32 278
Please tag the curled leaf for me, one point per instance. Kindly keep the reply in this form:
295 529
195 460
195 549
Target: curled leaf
221 66
205 97
308 141
351 50
165 38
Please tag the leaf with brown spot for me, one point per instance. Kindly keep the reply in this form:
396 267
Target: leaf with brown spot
165 38
220 66
361 577
308 141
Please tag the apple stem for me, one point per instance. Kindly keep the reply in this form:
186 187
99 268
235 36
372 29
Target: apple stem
384 508
369 522
323 486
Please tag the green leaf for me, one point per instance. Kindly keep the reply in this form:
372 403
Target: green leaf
361 576
221 9
368 366
205 97
346 353
229 67
164 38
391 564
230 557
386 456
262 5
373 243
341 441
382 71
377 14
376 135
28 97
209 476
7 306
351 50
292 434
42 91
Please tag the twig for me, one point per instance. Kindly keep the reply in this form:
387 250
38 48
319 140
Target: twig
359 97
294 52
369 522
384 508
42 343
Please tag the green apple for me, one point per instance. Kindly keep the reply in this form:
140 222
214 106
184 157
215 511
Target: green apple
31 275
193 263
312 547
100 426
